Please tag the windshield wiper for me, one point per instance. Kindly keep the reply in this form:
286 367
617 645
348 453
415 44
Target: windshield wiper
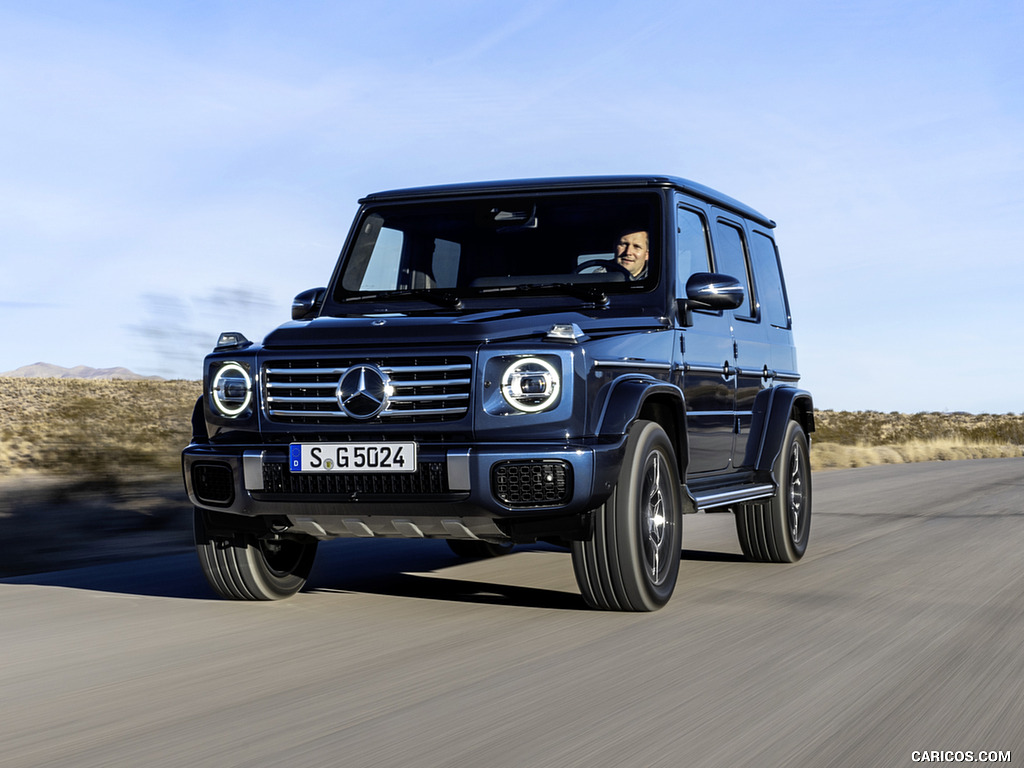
586 292
444 299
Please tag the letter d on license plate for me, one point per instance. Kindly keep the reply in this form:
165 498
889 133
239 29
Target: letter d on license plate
352 457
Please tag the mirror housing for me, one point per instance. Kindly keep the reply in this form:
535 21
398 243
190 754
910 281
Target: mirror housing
306 305
712 291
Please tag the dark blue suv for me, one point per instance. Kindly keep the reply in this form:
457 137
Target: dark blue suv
574 360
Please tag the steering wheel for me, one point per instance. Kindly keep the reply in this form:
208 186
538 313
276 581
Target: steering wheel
610 265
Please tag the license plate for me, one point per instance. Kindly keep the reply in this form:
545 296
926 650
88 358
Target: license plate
352 457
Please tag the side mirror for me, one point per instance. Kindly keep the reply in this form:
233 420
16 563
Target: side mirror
710 290
308 303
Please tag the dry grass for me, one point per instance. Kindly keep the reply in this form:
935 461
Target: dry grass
90 471
108 431
862 438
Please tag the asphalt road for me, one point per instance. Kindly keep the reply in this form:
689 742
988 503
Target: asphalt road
901 631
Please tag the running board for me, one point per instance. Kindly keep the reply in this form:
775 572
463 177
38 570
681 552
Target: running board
706 501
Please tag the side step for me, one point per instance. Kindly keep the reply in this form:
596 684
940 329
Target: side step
713 499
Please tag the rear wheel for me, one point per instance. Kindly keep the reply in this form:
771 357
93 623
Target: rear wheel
242 566
776 530
631 561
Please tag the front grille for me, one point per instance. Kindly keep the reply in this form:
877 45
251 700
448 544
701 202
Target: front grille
534 483
430 479
423 389
213 484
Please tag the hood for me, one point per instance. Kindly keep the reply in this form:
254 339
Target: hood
481 327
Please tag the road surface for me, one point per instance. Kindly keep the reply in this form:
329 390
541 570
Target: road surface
900 632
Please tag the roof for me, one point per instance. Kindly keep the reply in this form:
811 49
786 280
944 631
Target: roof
570 183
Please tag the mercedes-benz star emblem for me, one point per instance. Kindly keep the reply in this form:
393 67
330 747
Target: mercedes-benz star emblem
363 391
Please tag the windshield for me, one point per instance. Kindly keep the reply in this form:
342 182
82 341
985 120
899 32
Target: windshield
578 245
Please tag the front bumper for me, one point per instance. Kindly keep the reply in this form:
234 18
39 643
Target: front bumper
490 492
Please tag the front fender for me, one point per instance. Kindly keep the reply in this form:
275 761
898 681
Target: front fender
644 397
626 399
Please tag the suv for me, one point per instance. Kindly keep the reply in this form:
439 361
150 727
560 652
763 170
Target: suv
574 360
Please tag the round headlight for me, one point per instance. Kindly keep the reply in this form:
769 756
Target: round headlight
231 389
530 385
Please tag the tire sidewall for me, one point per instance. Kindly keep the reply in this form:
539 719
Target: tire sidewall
273 584
626 508
237 568
793 549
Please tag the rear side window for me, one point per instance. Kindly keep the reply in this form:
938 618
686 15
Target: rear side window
768 276
730 259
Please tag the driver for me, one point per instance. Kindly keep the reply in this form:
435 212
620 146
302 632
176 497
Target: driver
631 253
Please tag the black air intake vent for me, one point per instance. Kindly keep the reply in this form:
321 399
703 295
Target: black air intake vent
430 479
535 483
213 484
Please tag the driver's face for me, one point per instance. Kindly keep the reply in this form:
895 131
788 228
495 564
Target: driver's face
631 252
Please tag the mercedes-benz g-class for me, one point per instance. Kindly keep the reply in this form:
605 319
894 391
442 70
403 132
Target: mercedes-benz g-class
573 360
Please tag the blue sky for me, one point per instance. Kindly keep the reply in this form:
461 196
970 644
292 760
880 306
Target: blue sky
170 170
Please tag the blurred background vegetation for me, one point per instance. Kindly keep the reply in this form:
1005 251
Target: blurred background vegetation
115 432
861 438
96 430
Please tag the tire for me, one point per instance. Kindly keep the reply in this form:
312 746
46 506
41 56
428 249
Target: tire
777 530
631 561
478 550
242 566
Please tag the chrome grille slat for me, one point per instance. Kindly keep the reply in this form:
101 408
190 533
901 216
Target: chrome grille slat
420 398
400 369
305 371
396 384
386 368
273 399
340 415
430 383
307 385
425 388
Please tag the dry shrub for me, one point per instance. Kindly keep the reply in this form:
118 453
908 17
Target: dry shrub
94 429
875 428
863 438
836 456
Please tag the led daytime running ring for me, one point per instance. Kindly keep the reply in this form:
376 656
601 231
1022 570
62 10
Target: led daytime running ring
524 373
225 401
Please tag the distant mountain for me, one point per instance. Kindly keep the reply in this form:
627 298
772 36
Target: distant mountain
50 371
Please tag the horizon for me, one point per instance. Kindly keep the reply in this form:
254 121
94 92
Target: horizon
141 377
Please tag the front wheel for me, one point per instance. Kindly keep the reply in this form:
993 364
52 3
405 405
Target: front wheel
242 566
776 530
631 561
